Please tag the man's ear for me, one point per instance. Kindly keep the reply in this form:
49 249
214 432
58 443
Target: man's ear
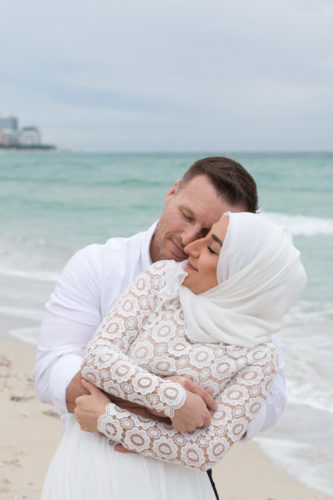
171 193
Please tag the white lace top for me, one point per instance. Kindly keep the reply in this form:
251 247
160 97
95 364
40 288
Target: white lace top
143 339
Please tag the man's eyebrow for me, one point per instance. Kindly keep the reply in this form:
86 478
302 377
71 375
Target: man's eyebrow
215 238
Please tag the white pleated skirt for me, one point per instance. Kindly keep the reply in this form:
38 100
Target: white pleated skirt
86 467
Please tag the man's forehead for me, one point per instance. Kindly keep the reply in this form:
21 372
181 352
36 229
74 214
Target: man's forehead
201 196
201 199
201 213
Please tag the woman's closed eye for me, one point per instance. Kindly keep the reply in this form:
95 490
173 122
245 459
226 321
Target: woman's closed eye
211 250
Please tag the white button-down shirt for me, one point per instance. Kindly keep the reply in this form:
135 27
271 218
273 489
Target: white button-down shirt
91 282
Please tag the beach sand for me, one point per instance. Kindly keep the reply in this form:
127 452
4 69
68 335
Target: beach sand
30 432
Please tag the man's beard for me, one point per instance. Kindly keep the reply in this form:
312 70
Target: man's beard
162 246
164 240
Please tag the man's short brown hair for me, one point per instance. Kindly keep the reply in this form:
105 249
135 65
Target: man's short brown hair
230 179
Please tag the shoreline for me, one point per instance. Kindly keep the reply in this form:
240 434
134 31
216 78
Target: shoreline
31 432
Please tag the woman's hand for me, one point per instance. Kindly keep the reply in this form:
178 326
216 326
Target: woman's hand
89 407
189 385
194 413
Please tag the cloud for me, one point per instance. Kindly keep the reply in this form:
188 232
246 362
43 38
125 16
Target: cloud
170 75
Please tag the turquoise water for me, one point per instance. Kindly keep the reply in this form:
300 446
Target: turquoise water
54 203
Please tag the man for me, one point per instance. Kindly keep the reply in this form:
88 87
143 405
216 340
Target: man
97 275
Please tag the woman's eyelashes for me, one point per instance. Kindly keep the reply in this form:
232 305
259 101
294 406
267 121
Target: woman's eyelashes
211 250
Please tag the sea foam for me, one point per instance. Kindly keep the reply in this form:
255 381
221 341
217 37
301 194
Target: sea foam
34 274
301 443
24 313
301 225
307 352
301 460
27 335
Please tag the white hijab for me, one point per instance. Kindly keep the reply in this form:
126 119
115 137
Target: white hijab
259 276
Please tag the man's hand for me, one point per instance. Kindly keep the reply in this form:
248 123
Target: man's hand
73 391
90 406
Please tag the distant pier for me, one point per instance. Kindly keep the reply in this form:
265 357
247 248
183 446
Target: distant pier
31 147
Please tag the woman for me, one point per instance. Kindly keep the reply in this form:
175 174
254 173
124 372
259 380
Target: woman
209 319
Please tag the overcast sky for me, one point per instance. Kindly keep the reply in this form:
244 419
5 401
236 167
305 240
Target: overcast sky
181 75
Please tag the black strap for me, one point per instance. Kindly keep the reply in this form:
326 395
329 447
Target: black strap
209 472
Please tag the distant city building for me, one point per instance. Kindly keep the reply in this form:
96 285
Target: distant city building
13 137
9 123
3 138
8 138
29 136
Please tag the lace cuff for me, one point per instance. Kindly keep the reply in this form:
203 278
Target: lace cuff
173 395
107 424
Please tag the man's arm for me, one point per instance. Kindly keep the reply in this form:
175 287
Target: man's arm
72 315
74 390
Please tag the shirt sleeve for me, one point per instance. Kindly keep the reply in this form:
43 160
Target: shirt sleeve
107 366
71 317
275 403
238 404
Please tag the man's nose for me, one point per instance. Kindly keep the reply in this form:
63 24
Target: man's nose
190 235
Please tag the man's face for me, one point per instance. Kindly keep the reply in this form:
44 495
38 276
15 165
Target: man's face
188 215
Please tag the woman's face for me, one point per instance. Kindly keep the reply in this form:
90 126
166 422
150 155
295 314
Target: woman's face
203 258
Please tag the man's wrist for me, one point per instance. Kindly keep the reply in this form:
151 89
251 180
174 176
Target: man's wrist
74 390
63 371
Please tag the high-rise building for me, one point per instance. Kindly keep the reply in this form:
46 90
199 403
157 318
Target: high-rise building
9 123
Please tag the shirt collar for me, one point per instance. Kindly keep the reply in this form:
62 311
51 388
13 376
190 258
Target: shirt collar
145 246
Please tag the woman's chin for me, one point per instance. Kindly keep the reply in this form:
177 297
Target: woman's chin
188 282
185 282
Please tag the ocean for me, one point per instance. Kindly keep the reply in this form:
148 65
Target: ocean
53 203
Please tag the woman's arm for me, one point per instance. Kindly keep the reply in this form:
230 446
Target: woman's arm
238 404
105 363
108 367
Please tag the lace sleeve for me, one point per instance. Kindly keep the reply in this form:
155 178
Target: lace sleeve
238 404
105 363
